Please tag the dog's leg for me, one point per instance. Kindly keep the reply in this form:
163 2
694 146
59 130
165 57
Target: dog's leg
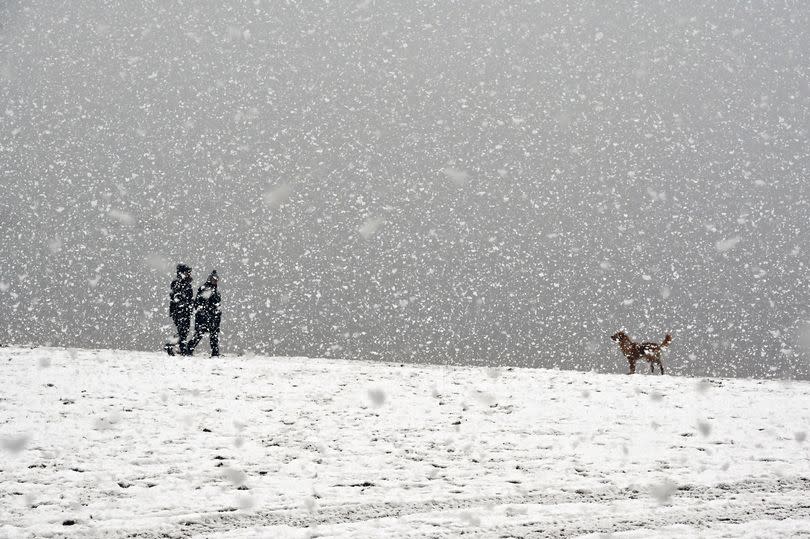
652 367
632 366
661 364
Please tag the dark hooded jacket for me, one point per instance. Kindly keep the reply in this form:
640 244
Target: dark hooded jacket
181 298
207 307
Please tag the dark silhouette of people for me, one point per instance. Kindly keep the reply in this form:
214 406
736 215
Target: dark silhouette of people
207 315
181 305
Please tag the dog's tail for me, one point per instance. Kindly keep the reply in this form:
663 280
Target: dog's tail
667 340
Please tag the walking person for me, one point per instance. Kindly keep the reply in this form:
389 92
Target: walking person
181 305
207 315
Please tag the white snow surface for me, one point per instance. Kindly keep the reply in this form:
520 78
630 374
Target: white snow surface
100 443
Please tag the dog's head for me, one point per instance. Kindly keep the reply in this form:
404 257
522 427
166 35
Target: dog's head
618 336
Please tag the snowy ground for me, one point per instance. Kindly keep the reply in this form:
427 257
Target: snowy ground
127 444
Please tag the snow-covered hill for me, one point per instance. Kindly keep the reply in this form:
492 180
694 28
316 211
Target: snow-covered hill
127 444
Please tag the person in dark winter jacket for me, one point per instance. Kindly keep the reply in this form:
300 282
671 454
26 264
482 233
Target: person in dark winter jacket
207 315
181 305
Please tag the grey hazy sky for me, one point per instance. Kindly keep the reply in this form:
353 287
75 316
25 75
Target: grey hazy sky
468 182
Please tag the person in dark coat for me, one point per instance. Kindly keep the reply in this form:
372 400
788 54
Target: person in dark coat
181 306
207 315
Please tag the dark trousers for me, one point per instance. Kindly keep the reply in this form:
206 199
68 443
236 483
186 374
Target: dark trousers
199 332
183 324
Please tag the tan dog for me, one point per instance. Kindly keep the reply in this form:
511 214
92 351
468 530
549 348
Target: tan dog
648 351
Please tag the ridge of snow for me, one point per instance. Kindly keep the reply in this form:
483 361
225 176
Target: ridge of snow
139 444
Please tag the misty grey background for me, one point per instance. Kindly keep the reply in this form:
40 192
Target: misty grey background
464 182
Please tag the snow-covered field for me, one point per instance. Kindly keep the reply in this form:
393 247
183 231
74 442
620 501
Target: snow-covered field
128 444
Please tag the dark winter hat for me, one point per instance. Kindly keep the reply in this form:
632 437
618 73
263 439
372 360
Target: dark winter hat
183 268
